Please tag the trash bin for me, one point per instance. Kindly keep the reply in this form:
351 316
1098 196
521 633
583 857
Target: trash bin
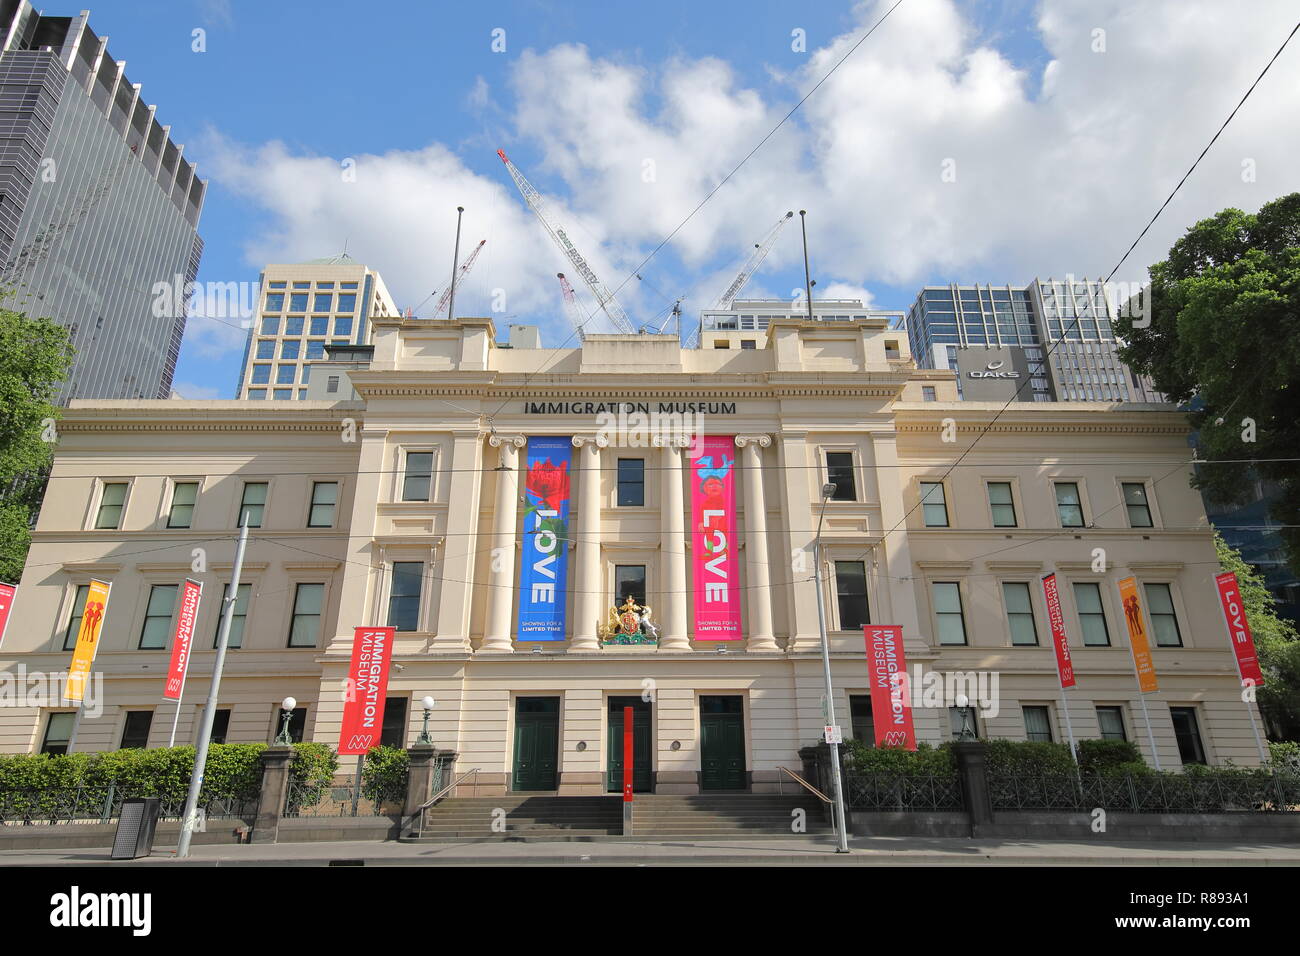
135 828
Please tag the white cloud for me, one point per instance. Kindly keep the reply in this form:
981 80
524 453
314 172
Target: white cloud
192 392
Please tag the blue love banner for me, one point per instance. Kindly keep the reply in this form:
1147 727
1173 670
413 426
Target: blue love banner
544 576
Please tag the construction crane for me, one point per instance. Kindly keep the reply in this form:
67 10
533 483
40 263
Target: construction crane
577 317
605 300
460 277
761 249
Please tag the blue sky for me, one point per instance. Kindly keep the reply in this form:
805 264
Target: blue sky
1061 150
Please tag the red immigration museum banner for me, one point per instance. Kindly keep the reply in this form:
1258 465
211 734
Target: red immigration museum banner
891 705
713 539
1064 664
1243 644
183 640
7 592
363 707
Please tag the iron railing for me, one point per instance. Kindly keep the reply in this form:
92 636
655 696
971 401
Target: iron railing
907 792
102 803
306 799
1148 793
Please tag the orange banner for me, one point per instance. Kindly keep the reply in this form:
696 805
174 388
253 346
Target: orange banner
83 655
1137 634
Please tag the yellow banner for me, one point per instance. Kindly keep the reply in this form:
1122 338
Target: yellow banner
1137 634
83 655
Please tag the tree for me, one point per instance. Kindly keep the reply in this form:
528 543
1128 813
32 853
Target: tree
1224 312
35 355
1276 642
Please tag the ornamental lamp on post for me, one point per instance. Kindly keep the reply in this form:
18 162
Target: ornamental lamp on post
286 715
967 731
424 738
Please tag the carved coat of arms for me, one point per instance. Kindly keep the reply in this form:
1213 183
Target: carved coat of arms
629 623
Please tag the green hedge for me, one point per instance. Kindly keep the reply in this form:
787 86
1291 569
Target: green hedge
1107 756
924 760
384 776
232 770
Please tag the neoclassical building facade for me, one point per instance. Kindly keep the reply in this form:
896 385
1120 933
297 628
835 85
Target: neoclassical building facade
425 504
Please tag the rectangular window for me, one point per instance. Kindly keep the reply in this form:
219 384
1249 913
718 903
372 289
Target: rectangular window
184 494
324 300
276 285
851 594
220 726
282 394
1160 604
237 617
947 610
74 623
928 393
631 482
347 301
394 730
342 326
1038 725
315 350
1135 500
1188 734
270 325
934 506
864 727
290 349
1092 619
110 505
748 344
293 325
252 504
320 325
307 603
404 596
332 384
839 471
629 581
261 375
418 477
1068 506
58 731
274 302
158 617
298 302
1001 505
1020 612
266 348
324 496
1111 721
286 374
135 732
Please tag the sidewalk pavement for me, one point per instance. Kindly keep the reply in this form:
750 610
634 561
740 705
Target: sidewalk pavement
810 851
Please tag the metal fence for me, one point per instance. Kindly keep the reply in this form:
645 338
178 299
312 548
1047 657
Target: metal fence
1148 793
102 803
342 800
908 792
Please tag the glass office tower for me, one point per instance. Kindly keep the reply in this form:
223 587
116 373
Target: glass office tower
99 211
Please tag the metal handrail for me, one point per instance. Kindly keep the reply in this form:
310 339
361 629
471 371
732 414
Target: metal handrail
418 816
805 784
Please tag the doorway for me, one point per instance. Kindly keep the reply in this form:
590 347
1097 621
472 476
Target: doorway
537 743
722 743
641 744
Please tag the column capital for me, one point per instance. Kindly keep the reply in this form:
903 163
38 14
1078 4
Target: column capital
671 441
496 441
597 441
762 441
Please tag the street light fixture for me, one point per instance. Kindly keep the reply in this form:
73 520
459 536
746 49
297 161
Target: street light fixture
424 737
286 714
828 490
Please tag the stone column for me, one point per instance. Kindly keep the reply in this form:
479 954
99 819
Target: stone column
456 567
972 768
759 571
275 761
587 610
419 777
501 576
796 502
674 635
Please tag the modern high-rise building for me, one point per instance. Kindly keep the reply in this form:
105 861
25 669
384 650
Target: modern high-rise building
726 328
1055 333
97 206
300 310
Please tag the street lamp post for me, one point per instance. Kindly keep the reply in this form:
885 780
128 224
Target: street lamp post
828 489
424 737
286 715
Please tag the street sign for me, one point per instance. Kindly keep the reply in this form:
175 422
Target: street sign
834 735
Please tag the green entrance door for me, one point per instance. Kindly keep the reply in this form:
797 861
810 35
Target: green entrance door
722 743
641 756
537 743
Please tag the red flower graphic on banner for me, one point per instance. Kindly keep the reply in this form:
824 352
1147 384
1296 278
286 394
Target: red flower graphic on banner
548 483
